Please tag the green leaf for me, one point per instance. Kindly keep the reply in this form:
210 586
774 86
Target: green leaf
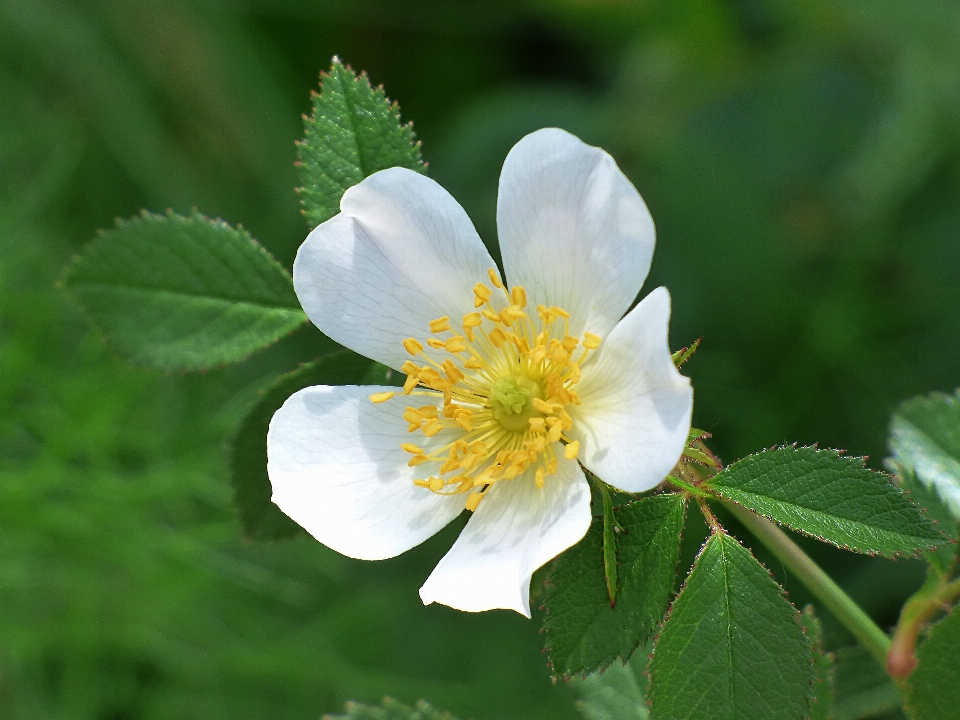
862 687
610 528
183 293
259 517
732 646
354 132
617 693
925 437
831 497
390 709
582 631
926 497
820 708
934 692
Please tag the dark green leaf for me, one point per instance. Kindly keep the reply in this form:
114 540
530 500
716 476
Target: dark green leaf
617 693
354 132
260 518
610 529
925 437
582 631
820 708
390 709
183 293
934 692
862 687
732 647
926 497
831 497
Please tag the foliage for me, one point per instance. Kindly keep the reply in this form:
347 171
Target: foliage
354 132
183 293
732 645
935 684
390 709
833 498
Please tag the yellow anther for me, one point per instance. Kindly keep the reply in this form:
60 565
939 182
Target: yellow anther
456 345
436 484
412 415
559 312
440 325
490 315
450 411
422 483
482 294
573 373
473 500
410 383
542 406
418 460
520 342
569 343
452 371
544 312
519 296
497 337
450 464
553 434
571 451
494 278
473 363
434 426
537 355
591 341
565 420
410 367
537 425
538 478
465 420
505 317
436 344
412 346
411 448
381 396
428 411
472 320
478 447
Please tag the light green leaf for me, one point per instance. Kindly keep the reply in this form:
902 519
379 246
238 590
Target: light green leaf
732 647
354 132
390 709
862 687
183 293
617 693
934 686
831 497
259 517
925 437
822 702
582 631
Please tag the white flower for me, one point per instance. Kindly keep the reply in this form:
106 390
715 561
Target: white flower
507 387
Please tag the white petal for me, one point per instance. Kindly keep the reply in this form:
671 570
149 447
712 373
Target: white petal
573 230
635 409
336 467
401 253
516 529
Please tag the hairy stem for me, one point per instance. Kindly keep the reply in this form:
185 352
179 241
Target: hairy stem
818 582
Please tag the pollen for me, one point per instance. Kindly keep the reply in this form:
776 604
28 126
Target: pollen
494 403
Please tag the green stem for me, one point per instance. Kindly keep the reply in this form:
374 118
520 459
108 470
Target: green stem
818 582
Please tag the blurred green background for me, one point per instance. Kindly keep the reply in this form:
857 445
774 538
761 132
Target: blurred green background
801 160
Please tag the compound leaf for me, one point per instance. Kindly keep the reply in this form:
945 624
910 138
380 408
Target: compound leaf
183 293
583 632
831 497
732 646
354 131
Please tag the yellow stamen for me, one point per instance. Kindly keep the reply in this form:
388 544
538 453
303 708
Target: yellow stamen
411 448
591 341
382 396
482 295
412 346
440 325
436 484
571 451
473 500
494 278
519 296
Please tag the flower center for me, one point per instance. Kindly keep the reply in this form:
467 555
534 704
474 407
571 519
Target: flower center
510 402
499 392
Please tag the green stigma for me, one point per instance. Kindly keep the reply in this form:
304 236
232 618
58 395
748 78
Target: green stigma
511 402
